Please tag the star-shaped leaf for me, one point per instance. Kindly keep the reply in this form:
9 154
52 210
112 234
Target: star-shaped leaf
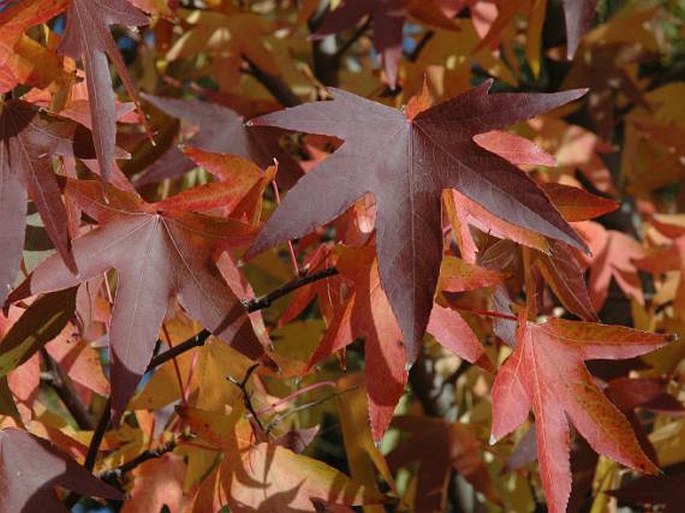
406 162
546 373
158 252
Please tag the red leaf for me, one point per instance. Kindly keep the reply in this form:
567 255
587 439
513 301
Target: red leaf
158 252
30 468
546 374
28 141
87 37
219 130
578 15
668 490
576 204
438 447
367 313
516 149
565 277
614 256
406 163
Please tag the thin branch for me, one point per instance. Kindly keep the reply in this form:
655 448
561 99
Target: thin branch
247 400
115 475
98 436
65 390
413 56
265 301
105 418
277 87
195 341
353 39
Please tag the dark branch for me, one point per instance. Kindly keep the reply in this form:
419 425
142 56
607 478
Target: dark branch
353 39
413 56
195 341
62 385
116 475
247 401
265 301
277 87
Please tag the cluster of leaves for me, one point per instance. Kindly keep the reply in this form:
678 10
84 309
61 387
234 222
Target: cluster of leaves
479 215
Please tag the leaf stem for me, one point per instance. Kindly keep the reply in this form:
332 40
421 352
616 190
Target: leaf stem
291 249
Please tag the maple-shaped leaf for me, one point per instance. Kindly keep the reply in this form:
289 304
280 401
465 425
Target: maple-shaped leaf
219 130
28 140
406 162
87 37
30 468
158 252
546 373
261 476
367 313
